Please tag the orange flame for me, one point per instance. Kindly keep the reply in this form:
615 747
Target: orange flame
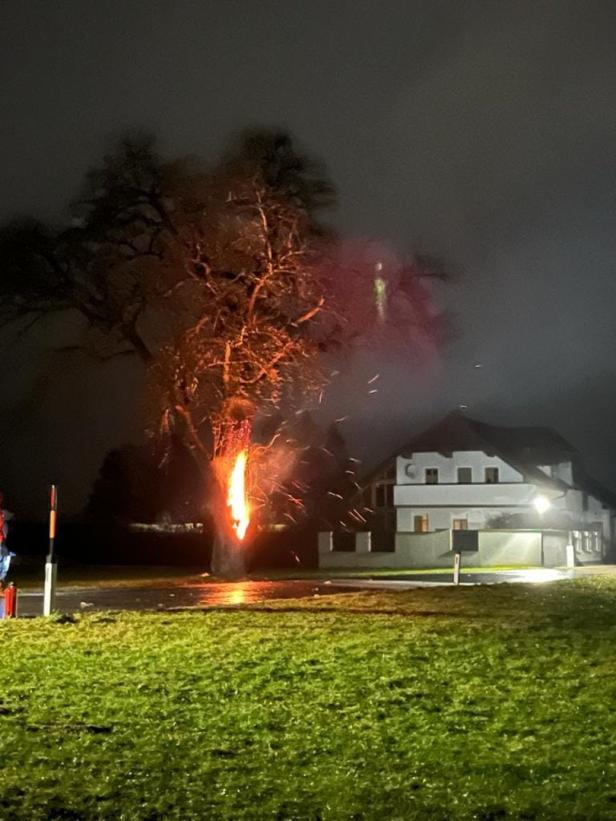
236 496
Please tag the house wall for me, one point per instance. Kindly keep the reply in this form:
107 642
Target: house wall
572 507
507 495
413 471
441 518
481 503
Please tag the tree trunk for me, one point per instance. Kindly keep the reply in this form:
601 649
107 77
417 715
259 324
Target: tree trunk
228 559
228 553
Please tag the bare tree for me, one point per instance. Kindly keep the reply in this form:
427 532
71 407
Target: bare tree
207 276
221 280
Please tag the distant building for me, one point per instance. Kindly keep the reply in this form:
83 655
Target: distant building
525 483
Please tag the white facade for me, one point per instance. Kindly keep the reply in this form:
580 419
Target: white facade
475 490
521 491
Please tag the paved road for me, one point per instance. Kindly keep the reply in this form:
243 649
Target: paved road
533 576
172 596
228 594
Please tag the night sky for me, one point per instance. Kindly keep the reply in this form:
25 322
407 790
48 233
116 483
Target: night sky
481 132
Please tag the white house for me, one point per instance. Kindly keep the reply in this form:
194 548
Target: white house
522 490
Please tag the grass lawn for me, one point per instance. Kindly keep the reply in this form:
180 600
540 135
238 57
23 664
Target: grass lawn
483 703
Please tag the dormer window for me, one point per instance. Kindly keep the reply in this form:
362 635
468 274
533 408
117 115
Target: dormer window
491 476
465 476
432 476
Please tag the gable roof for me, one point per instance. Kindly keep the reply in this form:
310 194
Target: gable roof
528 445
591 486
524 448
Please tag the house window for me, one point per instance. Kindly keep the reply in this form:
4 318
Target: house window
460 524
491 476
421 524
584 501
465 476
432 476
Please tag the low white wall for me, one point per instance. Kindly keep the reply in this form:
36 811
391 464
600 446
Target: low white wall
425 549
507 547
421 550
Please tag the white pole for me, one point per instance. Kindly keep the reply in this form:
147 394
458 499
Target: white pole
49 595
457 561
51 565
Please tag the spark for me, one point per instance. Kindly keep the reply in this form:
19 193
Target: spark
374 378
357 515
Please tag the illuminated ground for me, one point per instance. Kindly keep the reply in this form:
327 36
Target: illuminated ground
133 588
436 703
171 596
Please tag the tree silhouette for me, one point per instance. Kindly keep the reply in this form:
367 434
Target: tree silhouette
224 281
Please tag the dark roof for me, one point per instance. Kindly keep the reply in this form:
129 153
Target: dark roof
589 485
524 448
532 445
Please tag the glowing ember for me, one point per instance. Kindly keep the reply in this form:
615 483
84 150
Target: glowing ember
236 497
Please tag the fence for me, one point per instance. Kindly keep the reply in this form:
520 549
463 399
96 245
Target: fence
538 548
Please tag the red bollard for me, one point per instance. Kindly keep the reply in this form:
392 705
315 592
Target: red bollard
10 602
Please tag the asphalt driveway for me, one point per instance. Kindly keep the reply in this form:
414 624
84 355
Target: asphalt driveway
174 596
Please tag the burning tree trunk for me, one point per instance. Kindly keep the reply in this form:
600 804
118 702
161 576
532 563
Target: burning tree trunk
229 503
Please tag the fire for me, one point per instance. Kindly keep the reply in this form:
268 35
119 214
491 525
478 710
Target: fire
236 496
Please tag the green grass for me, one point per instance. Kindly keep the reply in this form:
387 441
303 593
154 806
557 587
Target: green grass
468 703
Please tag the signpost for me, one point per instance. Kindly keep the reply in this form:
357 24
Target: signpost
457 561
51 564
463 541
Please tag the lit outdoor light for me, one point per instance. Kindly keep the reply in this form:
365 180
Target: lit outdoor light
541 504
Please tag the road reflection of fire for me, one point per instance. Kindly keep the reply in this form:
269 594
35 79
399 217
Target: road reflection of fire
238 594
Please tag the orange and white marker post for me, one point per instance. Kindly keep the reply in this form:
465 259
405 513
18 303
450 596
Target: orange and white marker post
51 563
